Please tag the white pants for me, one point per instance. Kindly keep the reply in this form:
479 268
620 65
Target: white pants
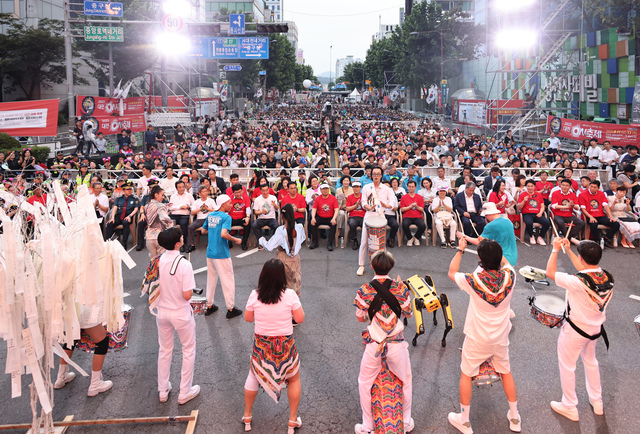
400 365
453 225
223 269
364 245
181 321
571 346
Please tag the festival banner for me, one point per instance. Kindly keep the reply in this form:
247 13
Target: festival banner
114 124
29 118
104 106
635 107
618 135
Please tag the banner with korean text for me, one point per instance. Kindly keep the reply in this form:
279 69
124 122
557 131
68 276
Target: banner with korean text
618 135
29 118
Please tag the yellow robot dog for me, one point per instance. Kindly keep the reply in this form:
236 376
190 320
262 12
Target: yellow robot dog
425 297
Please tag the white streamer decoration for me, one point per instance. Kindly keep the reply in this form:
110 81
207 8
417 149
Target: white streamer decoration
52 259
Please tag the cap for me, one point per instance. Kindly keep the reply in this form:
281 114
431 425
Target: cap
120 178
442 188
152 182
489 208
127 184
59 153
221 200
356 184
324 186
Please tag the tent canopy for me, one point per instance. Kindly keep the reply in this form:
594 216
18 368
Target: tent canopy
355 93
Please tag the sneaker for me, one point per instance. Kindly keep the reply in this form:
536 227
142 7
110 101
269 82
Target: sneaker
514 424
355 246
244 246
598 409
452 244
193 392
211 309
569 413
330 247
359 429
99 386
408 427
575 241
541 241
443 245
532 240
455 419
410 242
64 379
313 246
360 271
190 249
233 313
165 395
416 242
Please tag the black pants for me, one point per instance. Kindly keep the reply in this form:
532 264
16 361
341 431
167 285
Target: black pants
142 227
323 221
258 224
125 229
604 220
429 217
392 222
563 222
183 222
406 227
467 224
245 229
300 220
530 219
354 223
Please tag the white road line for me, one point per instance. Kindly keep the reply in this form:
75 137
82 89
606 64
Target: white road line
635 297
125 294
199 270
129 251
245 254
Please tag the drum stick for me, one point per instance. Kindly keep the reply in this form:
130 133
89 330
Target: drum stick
555 229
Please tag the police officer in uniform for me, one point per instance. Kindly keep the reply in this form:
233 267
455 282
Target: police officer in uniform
125 208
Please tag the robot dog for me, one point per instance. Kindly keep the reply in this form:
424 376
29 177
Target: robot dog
425 297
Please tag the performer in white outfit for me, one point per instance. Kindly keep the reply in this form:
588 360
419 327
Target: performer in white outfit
376 198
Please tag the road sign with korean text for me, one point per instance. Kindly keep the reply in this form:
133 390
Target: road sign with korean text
103 34
103 9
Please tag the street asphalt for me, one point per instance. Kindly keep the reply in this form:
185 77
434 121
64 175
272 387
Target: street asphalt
330 349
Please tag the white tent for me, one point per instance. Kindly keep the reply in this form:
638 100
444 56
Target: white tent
355 95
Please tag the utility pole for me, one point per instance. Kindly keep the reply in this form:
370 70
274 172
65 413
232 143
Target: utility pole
110 67
69 65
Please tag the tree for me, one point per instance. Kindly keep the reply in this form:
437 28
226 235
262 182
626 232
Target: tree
280 66
32 58
354 74
600 14
245 78
379 58
302 73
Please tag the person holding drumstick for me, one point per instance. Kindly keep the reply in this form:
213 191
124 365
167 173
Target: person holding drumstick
588 295
486 327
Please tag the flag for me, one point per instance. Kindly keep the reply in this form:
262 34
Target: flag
259 93
223 93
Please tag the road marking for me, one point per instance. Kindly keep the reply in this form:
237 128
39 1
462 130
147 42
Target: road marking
125 294
199 270
129 251
635 297
245 254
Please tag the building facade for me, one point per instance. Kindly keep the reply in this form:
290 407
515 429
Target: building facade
214 8
342 63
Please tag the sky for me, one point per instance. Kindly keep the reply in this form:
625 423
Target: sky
347 25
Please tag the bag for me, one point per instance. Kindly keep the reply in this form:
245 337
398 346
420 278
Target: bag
445 217
150 283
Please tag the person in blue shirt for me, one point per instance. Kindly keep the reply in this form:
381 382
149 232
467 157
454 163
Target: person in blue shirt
366 178
498 229
410 176
218 225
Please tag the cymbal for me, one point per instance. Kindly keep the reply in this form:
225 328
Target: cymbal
532 273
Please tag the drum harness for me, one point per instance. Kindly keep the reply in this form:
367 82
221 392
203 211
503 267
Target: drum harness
597 288
383 294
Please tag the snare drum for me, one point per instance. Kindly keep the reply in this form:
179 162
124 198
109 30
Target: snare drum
637 323
486 374
376 233
198 304
117 339
548 310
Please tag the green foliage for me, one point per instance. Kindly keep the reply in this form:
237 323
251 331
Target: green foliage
8 142
380 58
281 64
33 57
246 78
601 14
353 75
302 73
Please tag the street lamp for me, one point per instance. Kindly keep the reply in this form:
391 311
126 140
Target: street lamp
330 66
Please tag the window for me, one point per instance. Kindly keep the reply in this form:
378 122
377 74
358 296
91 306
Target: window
466 6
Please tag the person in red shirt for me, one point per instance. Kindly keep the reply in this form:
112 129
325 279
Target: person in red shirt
594 205
324 212
240 212
563 202
568 173
258 191
544 187
296 200
501 197
356 212
233 180
283 191
412 211
531 205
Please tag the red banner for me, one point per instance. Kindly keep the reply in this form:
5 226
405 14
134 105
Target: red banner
103 106
618 135
113 124
29 118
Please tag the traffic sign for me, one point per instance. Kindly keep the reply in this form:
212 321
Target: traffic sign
103 9
262 73
236 24
104 34
234 67
172 23
230 48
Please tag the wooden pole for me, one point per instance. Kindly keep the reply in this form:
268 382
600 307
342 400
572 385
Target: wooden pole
189 419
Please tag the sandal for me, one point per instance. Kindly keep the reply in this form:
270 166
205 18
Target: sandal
297 424
247 422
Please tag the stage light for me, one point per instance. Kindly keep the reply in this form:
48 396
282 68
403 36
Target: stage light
512 5
515 39
177 7
172 43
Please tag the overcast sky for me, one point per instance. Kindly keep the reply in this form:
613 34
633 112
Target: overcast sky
347 25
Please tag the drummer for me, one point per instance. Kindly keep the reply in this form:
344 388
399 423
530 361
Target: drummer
486 327
174 314
376 198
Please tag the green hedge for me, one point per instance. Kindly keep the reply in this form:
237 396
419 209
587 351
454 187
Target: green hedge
8 142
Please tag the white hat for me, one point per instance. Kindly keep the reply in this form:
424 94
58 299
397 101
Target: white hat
324 186
356 184
221 200
489 208
442 188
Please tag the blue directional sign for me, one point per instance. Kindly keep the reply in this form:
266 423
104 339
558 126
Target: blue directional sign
103 9
236 24
262 72
231 48
232 67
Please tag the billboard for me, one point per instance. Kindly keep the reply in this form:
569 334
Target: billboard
29 118
618 135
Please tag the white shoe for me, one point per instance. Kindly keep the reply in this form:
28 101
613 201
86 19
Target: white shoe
598 409
408 427
575 241
569 413
416 242
514 424
98 385
456 421
193 392
165 395
541 241
532 240
359 429
64 377
410 242
360 271
512 314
